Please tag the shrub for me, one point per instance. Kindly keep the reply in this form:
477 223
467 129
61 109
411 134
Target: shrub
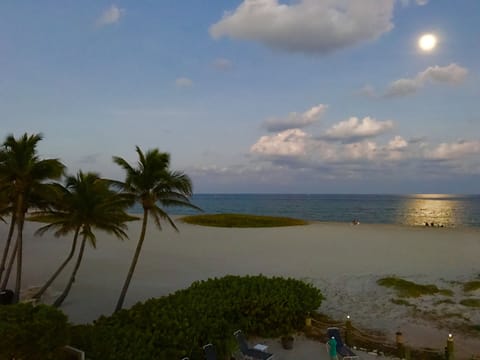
470 302
208 311
471 285
407 288
32 332
241 220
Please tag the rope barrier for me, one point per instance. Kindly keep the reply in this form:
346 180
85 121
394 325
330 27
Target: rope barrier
365 337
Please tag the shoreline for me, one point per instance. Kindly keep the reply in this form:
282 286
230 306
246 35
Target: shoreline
460 227
342 260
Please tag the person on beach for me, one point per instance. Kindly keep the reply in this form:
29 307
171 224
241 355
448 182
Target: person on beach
332 348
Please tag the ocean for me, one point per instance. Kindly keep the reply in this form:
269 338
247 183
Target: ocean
441 209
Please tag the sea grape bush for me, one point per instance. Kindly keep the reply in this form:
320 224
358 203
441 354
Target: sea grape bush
32 332
208 311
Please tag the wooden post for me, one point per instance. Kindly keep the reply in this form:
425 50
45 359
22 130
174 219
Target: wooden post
400 345
449 350
308 321
348 331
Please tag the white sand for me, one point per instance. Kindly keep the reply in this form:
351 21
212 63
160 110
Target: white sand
343 260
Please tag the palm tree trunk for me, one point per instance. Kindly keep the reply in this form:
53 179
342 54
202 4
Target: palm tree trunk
9 267
7 245
62 297
20 220
121 299
60 269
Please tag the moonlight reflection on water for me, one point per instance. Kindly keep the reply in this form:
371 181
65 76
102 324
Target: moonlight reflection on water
439 209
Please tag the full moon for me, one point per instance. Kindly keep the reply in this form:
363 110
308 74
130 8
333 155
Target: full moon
427 42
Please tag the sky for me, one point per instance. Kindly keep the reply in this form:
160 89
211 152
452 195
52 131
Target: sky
251 96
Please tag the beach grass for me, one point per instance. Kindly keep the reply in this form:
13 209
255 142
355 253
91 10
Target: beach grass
444 301
241 220
407 288
471 285
471 302
402 302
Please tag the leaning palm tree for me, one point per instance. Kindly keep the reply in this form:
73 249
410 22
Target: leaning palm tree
35 201
87 202
153 184
23 170
6 209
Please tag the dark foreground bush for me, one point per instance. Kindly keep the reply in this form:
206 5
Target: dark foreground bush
207 312
32 332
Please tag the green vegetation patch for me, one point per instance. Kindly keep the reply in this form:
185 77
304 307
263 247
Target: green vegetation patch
32 332
475 327
471 286
178 325
471 302
241 220
407 288
444 301
401 302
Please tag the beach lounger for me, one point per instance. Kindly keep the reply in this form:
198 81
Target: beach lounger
248 352
343 350
210 353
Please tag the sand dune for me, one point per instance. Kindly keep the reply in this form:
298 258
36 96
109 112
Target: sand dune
343 260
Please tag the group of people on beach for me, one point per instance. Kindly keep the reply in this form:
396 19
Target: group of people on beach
432 224
355 222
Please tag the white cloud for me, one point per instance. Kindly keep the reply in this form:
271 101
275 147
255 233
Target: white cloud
293 150
397 143
449 151
183 82
307 26
417 2
222 64
361 150
286 143
295 120
111 16
354 129
368 91
451 74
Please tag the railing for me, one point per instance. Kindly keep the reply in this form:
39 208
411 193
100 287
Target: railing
367 341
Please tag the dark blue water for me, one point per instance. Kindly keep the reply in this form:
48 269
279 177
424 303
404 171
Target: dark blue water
446 210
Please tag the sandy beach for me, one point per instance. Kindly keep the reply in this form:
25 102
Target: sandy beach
343 260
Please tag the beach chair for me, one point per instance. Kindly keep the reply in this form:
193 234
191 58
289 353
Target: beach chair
210 353
343 350
248 352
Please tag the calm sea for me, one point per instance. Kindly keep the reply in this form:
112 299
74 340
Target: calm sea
446 210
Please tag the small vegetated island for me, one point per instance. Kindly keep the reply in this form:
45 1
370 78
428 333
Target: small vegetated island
241 220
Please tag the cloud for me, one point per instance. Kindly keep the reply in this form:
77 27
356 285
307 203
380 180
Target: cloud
307 26
286 143
89 159
295 151
355 129
183 82
398 143
222 64
451 74
295 120
367 91
457 150
110 16
417 2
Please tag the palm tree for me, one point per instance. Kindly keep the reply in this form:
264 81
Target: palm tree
86 202
23 170
152 183
6 209
61 219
